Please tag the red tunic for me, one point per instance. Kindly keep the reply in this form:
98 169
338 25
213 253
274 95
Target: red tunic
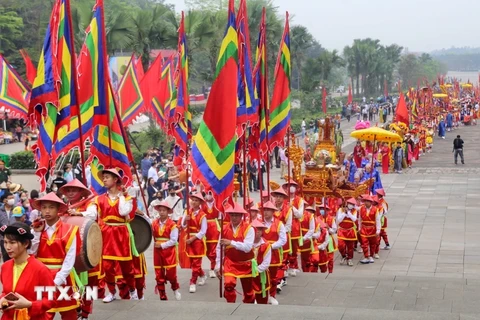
198 248
164 258
213 226
329 220
33 275
271 235
305 225
383 205
368 218
52 253
116 238
318 255
347 229
237 263
260 253
283 215
296 228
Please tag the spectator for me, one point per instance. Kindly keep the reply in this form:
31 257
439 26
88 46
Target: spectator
174 202
6 217
145 166
153 192
5 174
34 213
27 140
18 132
58 182
68 175
18 213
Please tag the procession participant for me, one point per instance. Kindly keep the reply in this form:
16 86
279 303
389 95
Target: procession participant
358 154
329 219
263 256
385 151
253 214
347 230
383 210
239 259
296 238
308 228
20 275
55 244
284 214
265 198
165 235
276 235
77 194
195 221
319 254
369 226
213 230
114 210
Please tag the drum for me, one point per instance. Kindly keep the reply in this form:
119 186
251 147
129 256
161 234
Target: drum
91 242
142 232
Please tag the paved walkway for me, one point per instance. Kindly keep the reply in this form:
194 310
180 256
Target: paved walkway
432 271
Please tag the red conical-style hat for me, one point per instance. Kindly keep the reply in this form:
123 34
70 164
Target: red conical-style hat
51 197
280 191
75 183
257 224
269 206
236 209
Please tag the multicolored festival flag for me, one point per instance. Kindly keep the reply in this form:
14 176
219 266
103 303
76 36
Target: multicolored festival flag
109 143
30 68
280 105
247 109
259 130
54 100
213 150
129 94
14 92
162 99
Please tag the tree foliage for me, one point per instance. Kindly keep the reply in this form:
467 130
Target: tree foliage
413 69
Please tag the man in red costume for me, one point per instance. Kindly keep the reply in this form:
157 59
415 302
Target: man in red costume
284 214
307 226
213 230
297 204
55 244
382 210
319 256
79 196
239 259
275 234
263 255
195 221
165 235
347 230
329 219
114 210
369 225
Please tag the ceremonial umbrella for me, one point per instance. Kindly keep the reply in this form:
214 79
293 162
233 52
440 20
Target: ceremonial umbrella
467 85
376 134
440 95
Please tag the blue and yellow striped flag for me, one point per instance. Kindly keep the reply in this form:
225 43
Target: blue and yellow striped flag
213 151
280 106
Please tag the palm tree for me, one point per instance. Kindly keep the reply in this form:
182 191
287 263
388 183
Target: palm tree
301 41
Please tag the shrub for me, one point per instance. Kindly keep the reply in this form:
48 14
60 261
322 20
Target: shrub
22 160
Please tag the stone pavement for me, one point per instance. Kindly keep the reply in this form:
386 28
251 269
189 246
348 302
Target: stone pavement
432 271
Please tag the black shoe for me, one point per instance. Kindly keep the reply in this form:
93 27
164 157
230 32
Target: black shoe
463 162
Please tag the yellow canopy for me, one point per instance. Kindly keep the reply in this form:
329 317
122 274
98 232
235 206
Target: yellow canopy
448 85
376 134
440 95
467 85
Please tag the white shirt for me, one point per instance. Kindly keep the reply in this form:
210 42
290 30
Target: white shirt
282 235
246 245
177 205
152 173
124 208
288 223
266 259
324 244
173 236
203 225
342 215
298 212
68 262
378 222
311 229
88 173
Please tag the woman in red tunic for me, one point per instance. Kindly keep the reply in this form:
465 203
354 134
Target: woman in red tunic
385 158
358 154
20 275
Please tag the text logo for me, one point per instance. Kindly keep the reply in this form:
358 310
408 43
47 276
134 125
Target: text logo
66 293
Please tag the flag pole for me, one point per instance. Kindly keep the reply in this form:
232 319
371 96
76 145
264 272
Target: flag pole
244 170
288 162
264 105
129 151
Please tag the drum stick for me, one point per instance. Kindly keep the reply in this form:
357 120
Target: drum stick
79 204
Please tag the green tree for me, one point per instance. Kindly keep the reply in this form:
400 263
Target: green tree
302 40
11 27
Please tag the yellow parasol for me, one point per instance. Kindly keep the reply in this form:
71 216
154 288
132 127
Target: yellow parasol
376 134
440 95
448 85
467 85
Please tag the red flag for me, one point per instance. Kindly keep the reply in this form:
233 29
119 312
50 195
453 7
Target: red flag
149 83
129 94
401 114
324 100
350 96
139 69
31 70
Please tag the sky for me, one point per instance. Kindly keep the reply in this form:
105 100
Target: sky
419 25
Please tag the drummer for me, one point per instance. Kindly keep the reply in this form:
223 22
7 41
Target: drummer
114 209
78 199
57 241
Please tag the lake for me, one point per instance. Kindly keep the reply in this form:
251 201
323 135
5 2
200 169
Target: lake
464 76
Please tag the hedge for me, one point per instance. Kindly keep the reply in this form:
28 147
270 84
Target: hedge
22 160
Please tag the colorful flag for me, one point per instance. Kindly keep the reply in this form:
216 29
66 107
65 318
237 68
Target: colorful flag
280 105
129 94
401 112
160 105
54 100
259 130
30 68
149 82
247 109
14 92
324 99
182 118
109 143
213 151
